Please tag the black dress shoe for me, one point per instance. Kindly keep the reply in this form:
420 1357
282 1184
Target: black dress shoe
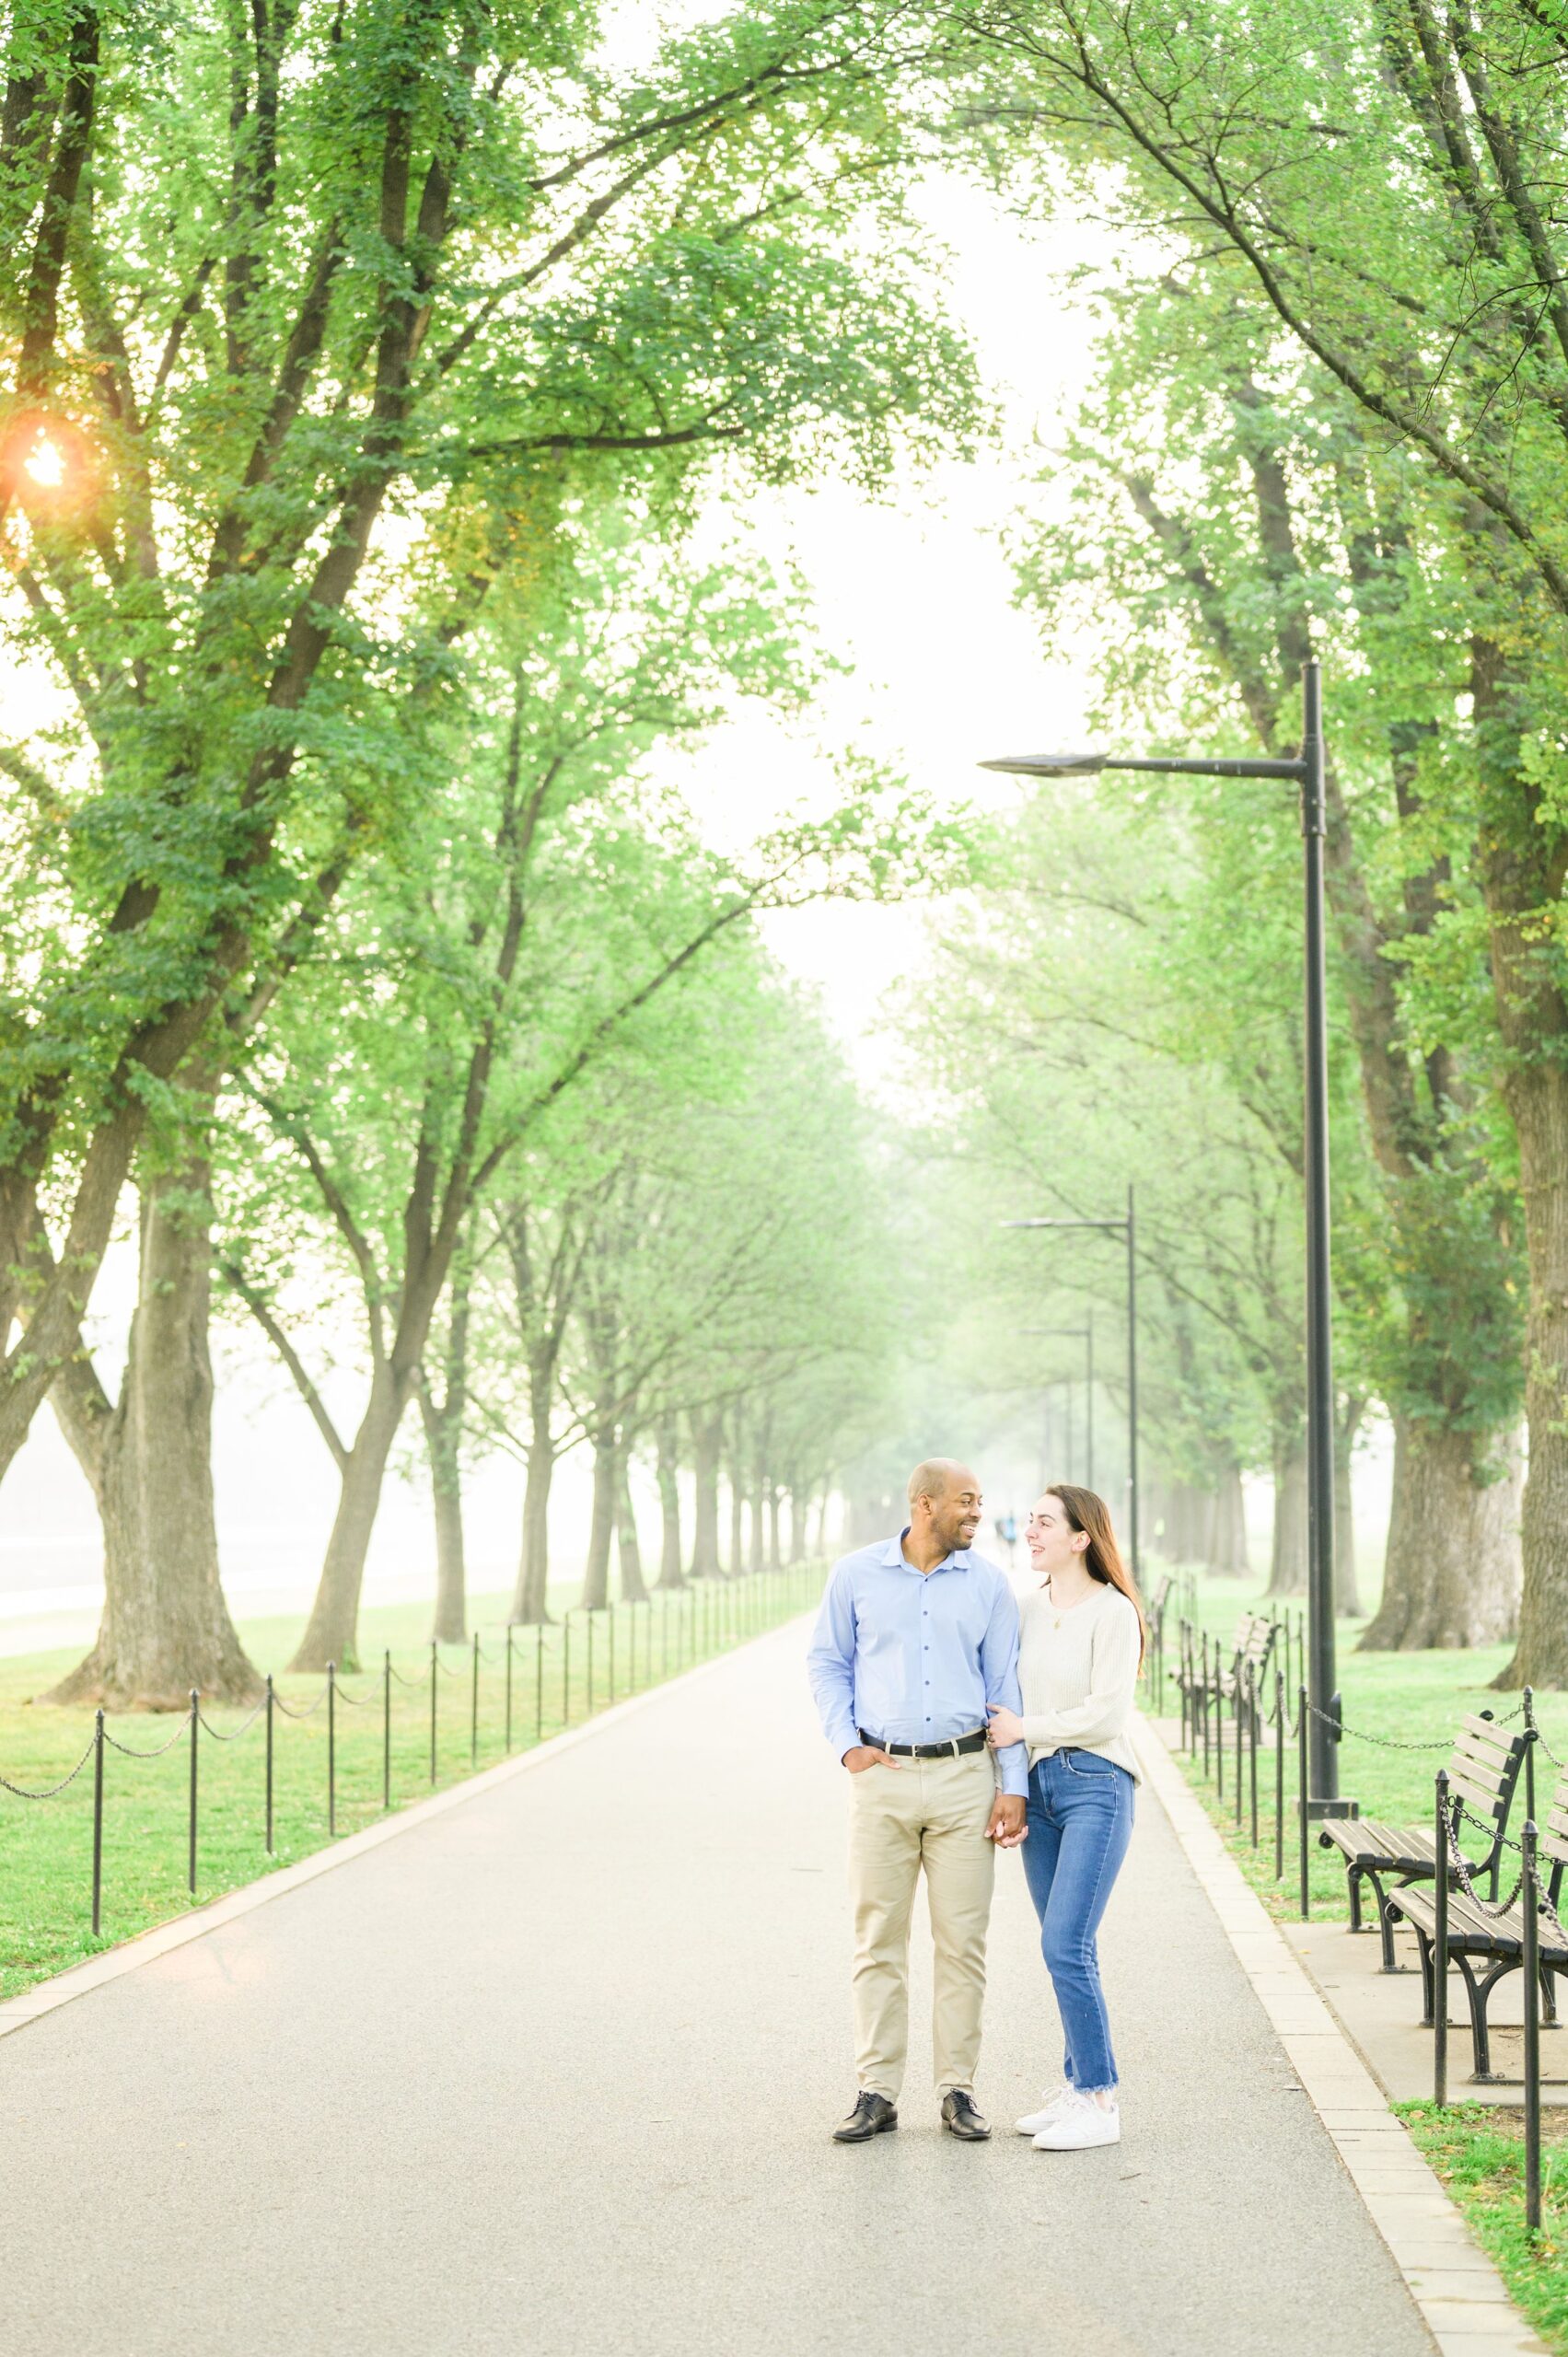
960 2118
872 2116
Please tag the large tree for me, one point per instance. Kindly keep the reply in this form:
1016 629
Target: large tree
1225 501
1431 292
297 299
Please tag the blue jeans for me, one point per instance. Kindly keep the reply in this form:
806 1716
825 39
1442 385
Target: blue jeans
1080 1819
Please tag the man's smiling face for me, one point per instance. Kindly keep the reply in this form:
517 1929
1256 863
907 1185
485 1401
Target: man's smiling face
956 1515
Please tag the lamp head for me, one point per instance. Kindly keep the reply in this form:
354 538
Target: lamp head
1049 764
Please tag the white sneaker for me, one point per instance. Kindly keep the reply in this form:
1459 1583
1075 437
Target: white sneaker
1080 2123
1033 2121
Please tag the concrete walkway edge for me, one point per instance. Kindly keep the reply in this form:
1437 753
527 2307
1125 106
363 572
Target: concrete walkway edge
1461 2297
129 1955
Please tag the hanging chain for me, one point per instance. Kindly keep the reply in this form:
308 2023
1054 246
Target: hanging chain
131 1750
232 1734
49 1792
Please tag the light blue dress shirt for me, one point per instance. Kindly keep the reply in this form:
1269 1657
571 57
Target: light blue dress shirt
916 1656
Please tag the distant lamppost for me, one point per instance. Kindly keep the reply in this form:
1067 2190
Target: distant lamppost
1307 773
1084 1334
1128 1228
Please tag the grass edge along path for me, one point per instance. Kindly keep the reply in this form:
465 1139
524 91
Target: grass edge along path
1406 1698
332 1762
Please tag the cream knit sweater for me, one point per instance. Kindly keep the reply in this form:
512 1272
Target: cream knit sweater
1077 1672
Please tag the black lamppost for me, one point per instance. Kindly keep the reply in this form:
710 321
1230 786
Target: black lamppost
1128 1228
1306 772
1084 1334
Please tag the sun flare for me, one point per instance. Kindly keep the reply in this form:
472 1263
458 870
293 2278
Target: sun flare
45 464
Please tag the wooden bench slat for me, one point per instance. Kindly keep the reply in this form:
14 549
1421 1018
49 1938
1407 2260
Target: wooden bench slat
1489 1803
1479 1766
1486 1731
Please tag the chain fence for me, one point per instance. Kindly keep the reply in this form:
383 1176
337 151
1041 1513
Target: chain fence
661 1634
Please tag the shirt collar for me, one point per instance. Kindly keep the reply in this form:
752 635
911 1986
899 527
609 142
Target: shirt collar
893 1556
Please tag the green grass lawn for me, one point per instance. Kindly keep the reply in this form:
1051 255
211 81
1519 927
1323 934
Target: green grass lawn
1412 1699
558 1678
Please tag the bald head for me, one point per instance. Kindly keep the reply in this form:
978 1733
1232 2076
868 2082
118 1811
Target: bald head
935 1476
945 1504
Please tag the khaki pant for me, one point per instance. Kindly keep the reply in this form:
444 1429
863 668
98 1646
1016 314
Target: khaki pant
930 1813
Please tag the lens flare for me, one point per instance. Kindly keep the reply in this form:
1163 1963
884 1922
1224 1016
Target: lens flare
45 464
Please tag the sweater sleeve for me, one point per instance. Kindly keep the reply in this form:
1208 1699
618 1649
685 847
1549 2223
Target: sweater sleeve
1113 1678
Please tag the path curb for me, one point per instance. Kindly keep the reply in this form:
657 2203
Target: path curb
1463 2299
80 1979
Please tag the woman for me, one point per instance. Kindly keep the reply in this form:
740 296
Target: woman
1081 1647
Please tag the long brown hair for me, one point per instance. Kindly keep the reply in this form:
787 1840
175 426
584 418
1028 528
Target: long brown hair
1102 1557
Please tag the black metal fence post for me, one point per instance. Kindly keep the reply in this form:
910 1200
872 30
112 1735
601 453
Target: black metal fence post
98 1824
473 1707
1530 1894
191 1861
387 1728
508 1690
1278 1774
272 1698
1530 1736
434 1669
1238 1707
1203 1691
1252 1747
1441 1830
331 1747
1301 1780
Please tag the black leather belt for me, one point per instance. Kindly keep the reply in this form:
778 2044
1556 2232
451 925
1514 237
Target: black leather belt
959 1743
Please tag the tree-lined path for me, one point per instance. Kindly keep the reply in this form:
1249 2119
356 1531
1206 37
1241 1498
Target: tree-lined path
556 2069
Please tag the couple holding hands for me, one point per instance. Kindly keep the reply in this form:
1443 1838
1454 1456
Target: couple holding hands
966 1727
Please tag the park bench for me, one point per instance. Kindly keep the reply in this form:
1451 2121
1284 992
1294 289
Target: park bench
1483 1769
1256 1636
1487 1946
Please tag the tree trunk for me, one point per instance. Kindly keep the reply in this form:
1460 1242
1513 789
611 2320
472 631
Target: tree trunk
1287 1564
668 1468
1347 1594
737 1535
1451 1575
799 1506
628 1547
601 1528
709 1438
331 1633
166 1626
821 1547
1521 853
531 1597
446 1483
444 1441
1230 1555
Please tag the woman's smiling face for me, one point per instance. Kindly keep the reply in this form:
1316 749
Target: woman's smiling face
1053 1542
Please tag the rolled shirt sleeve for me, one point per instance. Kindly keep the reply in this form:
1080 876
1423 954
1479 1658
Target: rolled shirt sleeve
829 1662
998 1667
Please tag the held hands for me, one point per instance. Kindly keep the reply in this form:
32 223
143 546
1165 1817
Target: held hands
1006 1826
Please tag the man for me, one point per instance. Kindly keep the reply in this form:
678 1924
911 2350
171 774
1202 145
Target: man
916 1639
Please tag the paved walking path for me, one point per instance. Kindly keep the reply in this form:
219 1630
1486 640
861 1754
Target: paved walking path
555 2071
